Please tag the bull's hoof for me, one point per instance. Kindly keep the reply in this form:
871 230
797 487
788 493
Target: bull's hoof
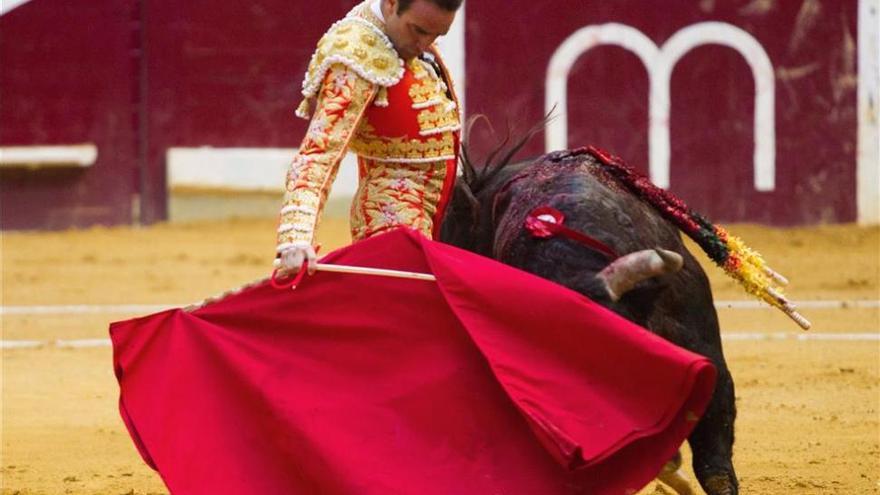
720 484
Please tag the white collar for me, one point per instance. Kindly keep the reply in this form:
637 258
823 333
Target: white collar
377 9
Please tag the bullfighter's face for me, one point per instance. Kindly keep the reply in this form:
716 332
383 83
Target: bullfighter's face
413 30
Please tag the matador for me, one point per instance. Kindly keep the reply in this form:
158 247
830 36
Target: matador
376 86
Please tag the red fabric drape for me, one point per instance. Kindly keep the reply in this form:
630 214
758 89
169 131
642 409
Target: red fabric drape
491 380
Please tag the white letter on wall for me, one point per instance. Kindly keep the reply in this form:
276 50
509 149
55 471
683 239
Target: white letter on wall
660 63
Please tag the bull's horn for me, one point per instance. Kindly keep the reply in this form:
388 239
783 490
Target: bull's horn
625 272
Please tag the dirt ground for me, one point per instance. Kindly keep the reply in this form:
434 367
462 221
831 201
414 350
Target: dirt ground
809 410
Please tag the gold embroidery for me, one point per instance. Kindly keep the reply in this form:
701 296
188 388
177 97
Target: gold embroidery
369 39
420 89
417 68
396 149
437 117
343 97
393 195
362 46
420 94
428 93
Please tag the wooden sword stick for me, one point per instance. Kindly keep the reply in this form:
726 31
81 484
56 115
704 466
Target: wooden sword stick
380 272
325 267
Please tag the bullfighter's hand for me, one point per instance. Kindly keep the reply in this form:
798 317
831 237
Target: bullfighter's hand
292 258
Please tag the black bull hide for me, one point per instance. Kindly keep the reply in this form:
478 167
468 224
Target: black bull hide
487 215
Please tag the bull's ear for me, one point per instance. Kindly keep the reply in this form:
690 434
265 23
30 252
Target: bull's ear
625 272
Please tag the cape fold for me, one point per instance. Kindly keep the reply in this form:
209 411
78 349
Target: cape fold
490 380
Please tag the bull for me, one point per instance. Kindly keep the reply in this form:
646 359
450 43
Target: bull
655 282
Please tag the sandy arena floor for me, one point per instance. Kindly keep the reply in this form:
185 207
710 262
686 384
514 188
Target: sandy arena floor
809 411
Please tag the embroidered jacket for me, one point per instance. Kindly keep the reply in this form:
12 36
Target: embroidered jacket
400 118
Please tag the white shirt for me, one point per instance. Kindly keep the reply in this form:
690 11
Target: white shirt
377 9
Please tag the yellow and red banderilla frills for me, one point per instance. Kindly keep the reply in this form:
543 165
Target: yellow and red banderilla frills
748 267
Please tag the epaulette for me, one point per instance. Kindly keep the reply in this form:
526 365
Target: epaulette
359 45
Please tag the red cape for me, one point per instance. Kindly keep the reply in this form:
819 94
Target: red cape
491 380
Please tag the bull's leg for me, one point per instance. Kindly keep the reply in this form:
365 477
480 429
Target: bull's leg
712 439
673 476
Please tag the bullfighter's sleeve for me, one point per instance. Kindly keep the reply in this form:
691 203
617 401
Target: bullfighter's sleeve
341 101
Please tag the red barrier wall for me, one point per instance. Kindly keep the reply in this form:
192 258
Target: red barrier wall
138 77
228 74
810 45
66 78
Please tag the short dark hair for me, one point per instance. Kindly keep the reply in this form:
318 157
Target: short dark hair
450 5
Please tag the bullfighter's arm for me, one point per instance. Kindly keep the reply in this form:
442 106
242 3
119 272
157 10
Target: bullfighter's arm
341 101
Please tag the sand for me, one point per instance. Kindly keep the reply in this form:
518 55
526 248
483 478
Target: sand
809 411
